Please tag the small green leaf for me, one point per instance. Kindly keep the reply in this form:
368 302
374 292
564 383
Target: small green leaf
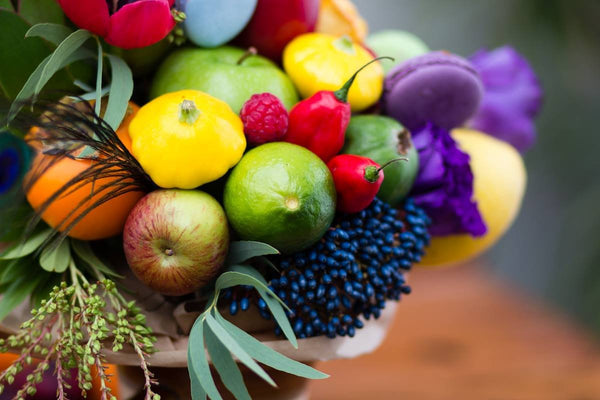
17 292
268 356
63 52
84 251
198 361
234 347
121 89
56 258
29 246
54 33
36 11
244 250
226 367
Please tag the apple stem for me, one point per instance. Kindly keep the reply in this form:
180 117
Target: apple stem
188 112
249 53
342 94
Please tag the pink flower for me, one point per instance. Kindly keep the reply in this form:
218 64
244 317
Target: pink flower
127 24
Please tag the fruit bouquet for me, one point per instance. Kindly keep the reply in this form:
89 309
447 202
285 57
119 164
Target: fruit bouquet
182 177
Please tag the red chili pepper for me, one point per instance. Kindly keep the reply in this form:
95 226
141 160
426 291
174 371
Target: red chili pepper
357 181
319 123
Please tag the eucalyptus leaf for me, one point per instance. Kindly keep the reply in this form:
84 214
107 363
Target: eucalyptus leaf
121 89
234 347
268 356
84 251
62 53
28 89
241 251
252 272
198 361
91 95
273 302
29 246
198 392
17 292
54 33
226 366
279 314
234 278
56 258
36 11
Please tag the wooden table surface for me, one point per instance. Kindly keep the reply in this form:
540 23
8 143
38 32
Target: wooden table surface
464 335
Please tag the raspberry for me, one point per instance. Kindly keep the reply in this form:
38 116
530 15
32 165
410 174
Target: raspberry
265 119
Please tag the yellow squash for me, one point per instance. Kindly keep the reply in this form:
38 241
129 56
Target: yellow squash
318 61
186 139
499 185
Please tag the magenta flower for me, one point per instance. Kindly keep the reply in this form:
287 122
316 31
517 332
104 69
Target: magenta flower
444 184
127 24
512 97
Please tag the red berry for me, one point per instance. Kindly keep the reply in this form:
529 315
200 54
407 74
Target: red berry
265 119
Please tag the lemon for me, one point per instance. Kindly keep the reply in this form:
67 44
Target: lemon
499 185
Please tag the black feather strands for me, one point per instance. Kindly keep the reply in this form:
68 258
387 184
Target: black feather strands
71 129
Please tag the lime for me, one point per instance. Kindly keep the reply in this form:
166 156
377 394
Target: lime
281 194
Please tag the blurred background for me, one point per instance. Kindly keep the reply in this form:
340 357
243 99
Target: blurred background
521 322
553 249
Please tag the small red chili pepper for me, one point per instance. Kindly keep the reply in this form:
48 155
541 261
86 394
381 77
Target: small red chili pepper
357 181
319 123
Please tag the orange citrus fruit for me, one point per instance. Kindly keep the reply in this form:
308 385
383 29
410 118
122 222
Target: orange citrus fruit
103 221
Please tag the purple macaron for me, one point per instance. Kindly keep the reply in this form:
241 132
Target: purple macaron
438 88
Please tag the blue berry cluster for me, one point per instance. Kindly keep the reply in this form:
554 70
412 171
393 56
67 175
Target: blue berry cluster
350 273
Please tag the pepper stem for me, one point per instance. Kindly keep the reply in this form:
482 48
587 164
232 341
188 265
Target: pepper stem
342 94
372 172
188 112
249 53
391 162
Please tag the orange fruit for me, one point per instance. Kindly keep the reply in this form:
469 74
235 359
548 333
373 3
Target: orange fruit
103 221
123 131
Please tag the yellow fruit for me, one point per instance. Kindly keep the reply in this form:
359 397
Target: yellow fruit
340 17
316 61
186 139
499 184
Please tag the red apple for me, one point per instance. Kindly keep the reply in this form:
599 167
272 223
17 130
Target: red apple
176 241
276 22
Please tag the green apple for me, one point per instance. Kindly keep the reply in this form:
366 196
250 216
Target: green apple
399 45
224 73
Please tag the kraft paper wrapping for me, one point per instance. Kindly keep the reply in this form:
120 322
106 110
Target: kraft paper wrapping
172 322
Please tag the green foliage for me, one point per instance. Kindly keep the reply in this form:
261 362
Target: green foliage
71 326
223 340
37 11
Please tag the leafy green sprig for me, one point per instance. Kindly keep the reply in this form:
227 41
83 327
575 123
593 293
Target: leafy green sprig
75 322
224 341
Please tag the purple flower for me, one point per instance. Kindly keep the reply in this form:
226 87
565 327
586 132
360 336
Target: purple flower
444 185
512 97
